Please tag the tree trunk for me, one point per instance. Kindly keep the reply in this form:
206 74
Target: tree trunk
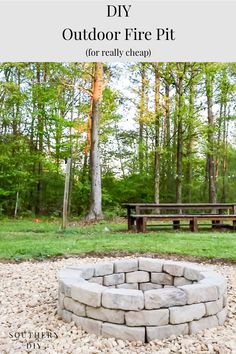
89 129
190 138
95 212
40 129
179 155
225 148
168 166
141 120
16 204
210 139
66 193
157 135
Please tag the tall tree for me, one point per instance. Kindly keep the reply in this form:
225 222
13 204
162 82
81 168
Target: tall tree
157 133
95 211
141 117
193 72
180 72
167 167
209 80
41 74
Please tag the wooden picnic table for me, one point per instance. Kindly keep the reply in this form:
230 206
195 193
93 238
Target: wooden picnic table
139 208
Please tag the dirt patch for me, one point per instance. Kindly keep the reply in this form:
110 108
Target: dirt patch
101 255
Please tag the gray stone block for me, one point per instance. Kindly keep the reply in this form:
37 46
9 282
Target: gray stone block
149 286
65 288
150 264
66 315
69 272
88 325
59 313
61 297
96 280
221 316
128 286
225 301
86 270
193 272
106 315
126 265
67 283
207 274
203 323
103 269
87 293
179 281
114 279
123 299
174 268
137 277
147 317
61 286
123 332
199 293
182 314
162 278
168 286
166 331
74 306
214 307
215 279
168 297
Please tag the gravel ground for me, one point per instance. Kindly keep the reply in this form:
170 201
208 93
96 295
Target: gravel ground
29 323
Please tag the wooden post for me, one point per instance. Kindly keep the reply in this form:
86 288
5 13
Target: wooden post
193 225
16 204
234 225
129 217
66 193
144 224
215 224
139 223
176 224
132 224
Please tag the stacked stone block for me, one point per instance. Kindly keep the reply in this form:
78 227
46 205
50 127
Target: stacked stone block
142 299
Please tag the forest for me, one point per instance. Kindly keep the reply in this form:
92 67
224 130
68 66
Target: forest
115 133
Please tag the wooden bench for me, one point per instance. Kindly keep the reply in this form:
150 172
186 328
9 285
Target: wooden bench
141 220
147 209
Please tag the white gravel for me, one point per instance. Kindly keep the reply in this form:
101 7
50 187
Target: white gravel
28 300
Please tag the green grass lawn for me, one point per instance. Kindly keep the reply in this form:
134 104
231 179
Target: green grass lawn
24 239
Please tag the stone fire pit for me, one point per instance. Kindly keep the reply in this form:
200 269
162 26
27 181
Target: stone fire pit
142 299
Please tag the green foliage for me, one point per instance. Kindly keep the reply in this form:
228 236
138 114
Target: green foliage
44 110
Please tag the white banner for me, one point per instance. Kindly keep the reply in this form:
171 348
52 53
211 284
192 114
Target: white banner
125 31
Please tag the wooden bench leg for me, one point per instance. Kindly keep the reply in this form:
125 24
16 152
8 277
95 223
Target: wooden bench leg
131 225
144 225
215 224
234 225
176 224
141 224
130 220
193 225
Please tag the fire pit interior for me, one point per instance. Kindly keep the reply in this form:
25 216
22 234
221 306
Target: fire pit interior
142 299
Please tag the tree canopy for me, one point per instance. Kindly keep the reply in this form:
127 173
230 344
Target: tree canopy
162 132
